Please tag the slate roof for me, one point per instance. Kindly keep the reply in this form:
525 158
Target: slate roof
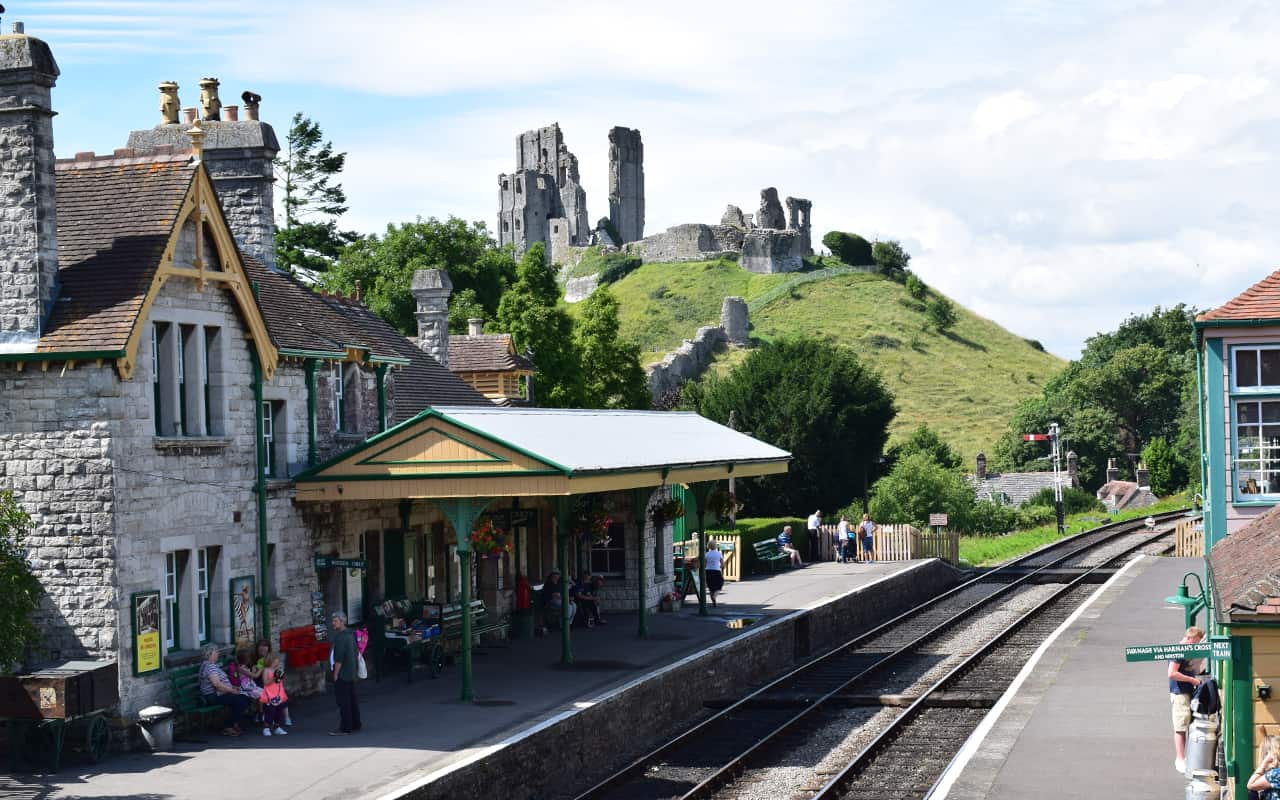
1245 570
487 352
115 216
1014 488
299 318
1259 301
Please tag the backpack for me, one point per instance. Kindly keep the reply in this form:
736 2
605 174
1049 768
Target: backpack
1205 699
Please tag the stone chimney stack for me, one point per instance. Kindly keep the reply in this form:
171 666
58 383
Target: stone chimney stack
475 327
1113 472
982 467
28 233
238 155
1073 469
1143 476
431 288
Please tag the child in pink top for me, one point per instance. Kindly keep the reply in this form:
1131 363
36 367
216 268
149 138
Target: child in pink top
275 704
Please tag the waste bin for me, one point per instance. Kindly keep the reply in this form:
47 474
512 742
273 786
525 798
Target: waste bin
156 724
522 623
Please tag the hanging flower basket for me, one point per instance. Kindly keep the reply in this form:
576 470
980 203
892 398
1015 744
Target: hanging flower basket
665 511
591 522
723 504
488 540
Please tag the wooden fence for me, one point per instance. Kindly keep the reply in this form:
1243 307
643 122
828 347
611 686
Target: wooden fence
1188 537
730 545
900 543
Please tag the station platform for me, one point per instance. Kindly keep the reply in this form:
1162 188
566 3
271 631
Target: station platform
412 730
1084 723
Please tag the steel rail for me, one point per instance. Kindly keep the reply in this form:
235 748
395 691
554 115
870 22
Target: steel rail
639 765
834 787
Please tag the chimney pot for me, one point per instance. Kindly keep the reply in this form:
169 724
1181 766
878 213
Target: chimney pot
19 28
982 467
189 115
358 296
475 326
233 113
1113 472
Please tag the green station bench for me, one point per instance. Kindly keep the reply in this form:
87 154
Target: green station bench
184 692
481 623
770 552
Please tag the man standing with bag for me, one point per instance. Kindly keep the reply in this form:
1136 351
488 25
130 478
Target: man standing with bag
345 659
814 525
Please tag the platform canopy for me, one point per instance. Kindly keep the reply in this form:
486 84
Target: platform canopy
465 451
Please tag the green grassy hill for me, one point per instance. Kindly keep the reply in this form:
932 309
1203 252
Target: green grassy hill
964 383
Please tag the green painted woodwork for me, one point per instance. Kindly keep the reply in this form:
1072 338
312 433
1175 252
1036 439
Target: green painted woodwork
1215 489
373 458
264 607
680 526
382 397
1240 758
462 513
393 563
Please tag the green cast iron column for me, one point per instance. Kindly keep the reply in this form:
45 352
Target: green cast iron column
1217 485
1241 713
260 488
640 508
462 513
701 492
564 508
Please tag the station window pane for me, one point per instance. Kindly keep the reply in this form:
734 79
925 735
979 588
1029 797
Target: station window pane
1246 373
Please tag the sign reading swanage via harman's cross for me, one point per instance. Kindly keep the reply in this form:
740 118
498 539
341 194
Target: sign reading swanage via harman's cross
1173 652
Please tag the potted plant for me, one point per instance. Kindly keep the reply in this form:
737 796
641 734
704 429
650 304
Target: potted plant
671 601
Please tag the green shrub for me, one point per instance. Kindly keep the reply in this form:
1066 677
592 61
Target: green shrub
916 287
1031 516
616 266
760 529
941 314
990 519
1074 501
891 258
1035 344
850 248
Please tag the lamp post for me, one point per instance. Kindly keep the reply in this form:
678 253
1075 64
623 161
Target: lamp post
1191 606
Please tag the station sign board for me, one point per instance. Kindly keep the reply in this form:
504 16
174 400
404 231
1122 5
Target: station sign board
938 520
1220 650
333 562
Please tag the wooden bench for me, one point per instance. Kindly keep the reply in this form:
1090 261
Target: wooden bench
770 552
184 691
451 622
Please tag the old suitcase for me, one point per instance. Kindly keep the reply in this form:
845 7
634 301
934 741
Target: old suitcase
60 691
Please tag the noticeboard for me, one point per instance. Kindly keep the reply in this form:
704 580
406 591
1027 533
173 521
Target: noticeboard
938 520
146 632
1219 650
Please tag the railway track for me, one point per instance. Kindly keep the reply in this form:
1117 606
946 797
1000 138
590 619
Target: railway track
727 754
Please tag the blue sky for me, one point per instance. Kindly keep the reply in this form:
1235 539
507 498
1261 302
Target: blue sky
1055 166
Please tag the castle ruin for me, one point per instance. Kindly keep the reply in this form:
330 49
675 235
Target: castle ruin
543 200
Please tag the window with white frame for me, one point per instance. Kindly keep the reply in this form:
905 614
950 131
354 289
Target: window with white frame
186 389
339 397
1255 372
268 440
172 610
203 607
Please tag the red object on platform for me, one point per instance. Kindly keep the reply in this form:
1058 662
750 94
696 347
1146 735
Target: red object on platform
524 595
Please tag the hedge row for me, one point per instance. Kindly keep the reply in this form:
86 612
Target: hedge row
759 529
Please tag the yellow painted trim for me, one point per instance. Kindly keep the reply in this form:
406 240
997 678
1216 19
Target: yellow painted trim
200 206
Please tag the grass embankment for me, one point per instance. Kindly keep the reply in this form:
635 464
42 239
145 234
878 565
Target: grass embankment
985 551
965 383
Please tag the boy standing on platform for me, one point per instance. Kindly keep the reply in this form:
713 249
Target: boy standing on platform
1182 683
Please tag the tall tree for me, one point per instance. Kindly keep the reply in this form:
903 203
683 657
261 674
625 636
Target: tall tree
926 440
814 399
384 266
611 372
530 311
918 486
313 199
19 590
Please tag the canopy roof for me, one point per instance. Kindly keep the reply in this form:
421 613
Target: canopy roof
457 451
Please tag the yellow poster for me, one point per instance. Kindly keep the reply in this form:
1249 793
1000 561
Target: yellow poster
146 632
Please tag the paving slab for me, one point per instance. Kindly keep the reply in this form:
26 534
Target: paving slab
1085 723
413 729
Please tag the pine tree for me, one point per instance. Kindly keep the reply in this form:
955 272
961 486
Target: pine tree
313 200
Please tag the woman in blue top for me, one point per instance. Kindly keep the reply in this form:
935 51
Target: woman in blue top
1265 780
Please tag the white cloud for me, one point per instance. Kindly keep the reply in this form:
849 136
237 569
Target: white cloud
1055 166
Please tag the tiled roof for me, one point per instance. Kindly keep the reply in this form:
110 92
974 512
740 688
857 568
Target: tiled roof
1246 569
1015 488
115 216
1122 490
1259 301
299 318
487 352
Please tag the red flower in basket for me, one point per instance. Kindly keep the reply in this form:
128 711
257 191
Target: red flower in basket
488 540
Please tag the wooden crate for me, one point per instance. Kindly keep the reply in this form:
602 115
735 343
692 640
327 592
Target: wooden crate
61 691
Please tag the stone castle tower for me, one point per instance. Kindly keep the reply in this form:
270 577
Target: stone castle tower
28 234
626 183
237 153
543 199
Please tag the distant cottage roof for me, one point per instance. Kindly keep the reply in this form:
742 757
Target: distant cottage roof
1245 569
1260 301
486 352
1014 488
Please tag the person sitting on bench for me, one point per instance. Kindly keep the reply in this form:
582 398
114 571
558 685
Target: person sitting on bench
784 542
551 600
586 594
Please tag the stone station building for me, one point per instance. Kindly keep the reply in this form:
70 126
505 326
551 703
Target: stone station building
162 391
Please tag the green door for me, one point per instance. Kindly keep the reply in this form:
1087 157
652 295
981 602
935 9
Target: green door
681 524
393 563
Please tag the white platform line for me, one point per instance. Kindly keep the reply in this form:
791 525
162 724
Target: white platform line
971 745
579 706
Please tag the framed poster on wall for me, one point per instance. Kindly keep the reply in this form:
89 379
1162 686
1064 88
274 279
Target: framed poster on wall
146 632
244 620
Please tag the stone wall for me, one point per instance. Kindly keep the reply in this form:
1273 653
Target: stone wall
545 184
626 183
577 289
626 722
772 251
688 361
690 242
